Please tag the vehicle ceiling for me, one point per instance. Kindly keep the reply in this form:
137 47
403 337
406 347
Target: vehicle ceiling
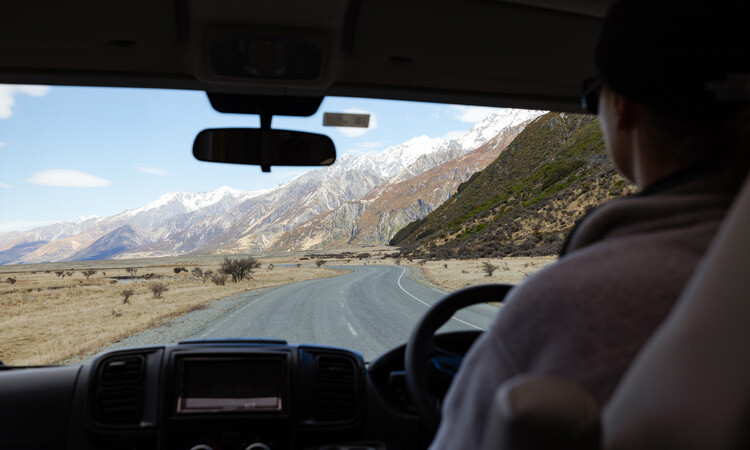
515 53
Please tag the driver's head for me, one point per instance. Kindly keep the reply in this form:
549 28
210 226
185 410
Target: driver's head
679 70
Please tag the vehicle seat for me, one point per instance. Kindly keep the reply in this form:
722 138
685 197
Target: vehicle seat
689 388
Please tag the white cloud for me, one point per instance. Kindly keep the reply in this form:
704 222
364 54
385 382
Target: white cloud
151 170
8 91
3 185
22 225
2 144
67 178
472 114
356 132
456 134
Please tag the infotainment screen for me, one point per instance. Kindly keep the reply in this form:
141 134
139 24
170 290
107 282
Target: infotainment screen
230 384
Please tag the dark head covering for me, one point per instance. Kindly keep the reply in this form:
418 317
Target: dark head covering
685 58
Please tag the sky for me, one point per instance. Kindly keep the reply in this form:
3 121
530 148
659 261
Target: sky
73 152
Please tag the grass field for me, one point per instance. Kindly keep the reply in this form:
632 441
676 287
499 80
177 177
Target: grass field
46 318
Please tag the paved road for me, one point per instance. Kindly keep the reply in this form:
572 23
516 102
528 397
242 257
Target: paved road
371 310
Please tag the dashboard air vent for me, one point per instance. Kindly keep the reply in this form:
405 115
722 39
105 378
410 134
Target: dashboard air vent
336 389
335 368
119 391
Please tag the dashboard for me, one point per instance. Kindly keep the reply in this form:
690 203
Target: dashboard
211 395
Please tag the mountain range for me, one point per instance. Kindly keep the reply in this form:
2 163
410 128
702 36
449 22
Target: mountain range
526 201
359 200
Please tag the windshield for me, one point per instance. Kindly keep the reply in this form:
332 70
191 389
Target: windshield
113 235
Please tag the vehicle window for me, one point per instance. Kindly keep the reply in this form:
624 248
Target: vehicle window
113 235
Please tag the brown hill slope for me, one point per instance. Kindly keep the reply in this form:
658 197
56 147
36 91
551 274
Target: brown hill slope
527 200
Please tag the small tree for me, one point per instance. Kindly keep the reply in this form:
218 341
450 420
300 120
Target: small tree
11 280
239 269
198 273
488 268
219 279
126 294
131 270
88 273
158 288
320 262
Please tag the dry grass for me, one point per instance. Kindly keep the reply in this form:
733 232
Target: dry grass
463 273
45 318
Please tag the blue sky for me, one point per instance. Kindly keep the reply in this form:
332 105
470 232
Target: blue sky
70 152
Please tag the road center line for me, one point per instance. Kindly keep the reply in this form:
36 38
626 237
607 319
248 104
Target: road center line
427 304
351 328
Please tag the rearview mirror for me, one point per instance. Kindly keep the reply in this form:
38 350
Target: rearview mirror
265 148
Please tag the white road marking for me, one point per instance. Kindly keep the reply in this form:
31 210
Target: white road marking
351 328
427 304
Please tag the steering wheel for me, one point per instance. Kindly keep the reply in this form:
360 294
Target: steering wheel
423 358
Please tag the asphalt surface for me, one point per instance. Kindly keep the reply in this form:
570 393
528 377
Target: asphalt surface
371 310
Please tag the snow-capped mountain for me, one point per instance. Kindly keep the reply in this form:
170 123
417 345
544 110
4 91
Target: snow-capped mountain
232 220
493 124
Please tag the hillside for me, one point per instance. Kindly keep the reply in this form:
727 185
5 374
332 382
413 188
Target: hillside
375 218
527 200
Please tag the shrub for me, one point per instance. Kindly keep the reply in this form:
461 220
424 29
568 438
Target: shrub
178 270
88 273
320 262
11 280
299 265
126 294
70 273
238 269
207 274
60 273
131 270
219 279
198 273
488 268
157 289
270 267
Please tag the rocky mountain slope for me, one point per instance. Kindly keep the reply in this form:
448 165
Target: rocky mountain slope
375 218
527 200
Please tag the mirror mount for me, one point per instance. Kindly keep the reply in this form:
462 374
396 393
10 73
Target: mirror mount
266 117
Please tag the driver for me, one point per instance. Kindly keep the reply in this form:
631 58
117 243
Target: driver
672 99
